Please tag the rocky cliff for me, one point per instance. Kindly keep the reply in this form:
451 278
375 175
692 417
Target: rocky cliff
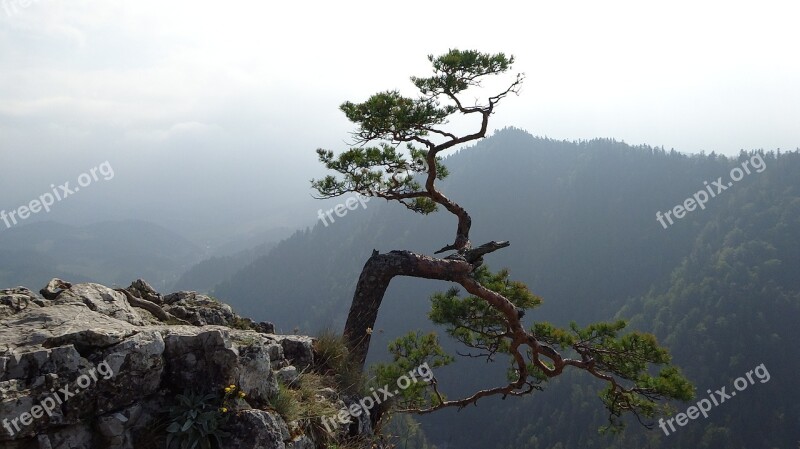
86 366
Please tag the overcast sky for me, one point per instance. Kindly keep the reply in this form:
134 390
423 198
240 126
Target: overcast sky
197 102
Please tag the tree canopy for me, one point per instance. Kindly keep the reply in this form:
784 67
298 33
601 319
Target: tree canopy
489 320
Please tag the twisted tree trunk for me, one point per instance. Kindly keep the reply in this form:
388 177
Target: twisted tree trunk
379 271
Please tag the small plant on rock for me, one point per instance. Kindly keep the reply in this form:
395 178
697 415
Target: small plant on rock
285 403
196 420
333 356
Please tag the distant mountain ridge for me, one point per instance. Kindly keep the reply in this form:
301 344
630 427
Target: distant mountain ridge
111 252
516 187
206 274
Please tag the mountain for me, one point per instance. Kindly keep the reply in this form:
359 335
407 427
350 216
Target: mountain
230 257
203 276
564 206
718 285
108 252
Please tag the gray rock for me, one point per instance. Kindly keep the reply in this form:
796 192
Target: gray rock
264 327
258 429
200 357
255 376
16 300
141 289
199 310
287 375
32 327
298 349
122 370
54 288
89 338
116 427
101 299
361 424
329 394
301 442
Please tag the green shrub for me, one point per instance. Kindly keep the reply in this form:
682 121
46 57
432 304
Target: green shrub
195 422
285 403
333 359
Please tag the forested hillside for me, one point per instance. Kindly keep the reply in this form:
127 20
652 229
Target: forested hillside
719 287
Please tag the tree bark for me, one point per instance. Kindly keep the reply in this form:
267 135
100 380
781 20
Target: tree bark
375 277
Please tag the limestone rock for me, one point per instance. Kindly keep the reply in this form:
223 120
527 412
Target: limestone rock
200 310
122 369
15 300
298 349
259 429
101 299
287 375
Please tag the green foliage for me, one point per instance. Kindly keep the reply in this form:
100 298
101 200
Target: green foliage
471 320
196 422
409 352
622 361
379 171
391 119
395 117
302 401
285 403
627 358
330 351
458 70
